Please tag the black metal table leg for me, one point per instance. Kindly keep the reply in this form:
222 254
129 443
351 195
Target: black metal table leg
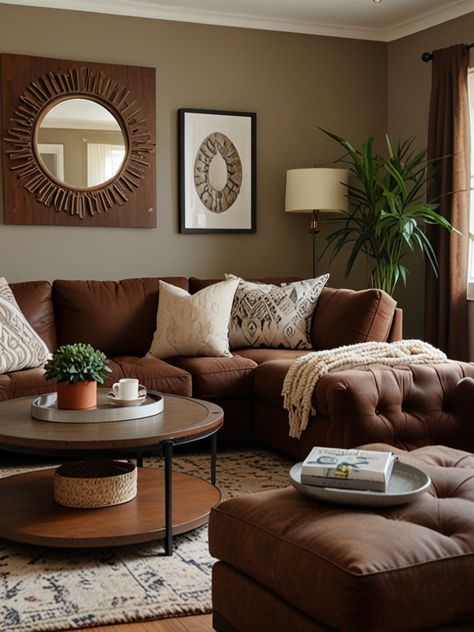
168 450
139 458
213 458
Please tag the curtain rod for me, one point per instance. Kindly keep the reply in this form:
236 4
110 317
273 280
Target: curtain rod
429 56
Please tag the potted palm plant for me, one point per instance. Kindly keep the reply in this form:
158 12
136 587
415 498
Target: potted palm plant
77 368
387 212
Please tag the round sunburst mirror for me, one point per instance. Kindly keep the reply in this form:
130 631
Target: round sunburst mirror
79 142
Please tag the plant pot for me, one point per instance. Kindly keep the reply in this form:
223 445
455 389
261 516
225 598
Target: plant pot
77 396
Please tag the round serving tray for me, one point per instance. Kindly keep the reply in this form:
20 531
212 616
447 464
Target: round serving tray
405 484
45 408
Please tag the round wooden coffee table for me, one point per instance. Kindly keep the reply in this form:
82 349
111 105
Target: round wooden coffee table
166 504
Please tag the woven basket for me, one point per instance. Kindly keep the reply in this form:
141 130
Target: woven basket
89 484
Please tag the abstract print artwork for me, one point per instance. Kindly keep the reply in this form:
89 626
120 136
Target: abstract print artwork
217 171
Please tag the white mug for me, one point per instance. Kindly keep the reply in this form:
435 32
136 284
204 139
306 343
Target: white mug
128 388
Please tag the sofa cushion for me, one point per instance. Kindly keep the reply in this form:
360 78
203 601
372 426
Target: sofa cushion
20 346
193 324
268 380
5 387
154 374
117 317
262 354
278 316
28 382
407 567
345 317
219 377
35 301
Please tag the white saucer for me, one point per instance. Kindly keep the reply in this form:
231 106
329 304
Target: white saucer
125 402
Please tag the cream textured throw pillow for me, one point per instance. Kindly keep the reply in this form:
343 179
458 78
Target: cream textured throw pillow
193 324
20 345
277 316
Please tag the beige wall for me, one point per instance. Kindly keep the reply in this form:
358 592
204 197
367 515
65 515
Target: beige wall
294 83
409 85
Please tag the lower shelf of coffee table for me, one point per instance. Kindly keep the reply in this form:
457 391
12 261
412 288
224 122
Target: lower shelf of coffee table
28 512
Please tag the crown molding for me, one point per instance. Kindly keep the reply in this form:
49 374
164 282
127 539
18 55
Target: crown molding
428 20
178 14
139 9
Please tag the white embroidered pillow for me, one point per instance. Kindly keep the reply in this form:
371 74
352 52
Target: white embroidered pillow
193 324
20 345
277 316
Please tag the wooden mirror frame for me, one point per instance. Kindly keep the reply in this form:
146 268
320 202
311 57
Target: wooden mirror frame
31 86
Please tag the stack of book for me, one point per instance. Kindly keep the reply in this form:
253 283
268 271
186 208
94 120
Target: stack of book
348 469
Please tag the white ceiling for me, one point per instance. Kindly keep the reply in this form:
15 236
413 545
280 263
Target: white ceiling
361 19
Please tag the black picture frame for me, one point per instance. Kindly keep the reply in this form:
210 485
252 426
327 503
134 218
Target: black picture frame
231 206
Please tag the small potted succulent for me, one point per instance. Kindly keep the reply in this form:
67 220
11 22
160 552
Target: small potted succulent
77 368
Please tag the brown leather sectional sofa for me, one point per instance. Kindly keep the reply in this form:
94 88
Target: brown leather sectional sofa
404 407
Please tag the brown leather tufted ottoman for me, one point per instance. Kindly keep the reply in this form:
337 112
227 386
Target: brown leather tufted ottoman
288 562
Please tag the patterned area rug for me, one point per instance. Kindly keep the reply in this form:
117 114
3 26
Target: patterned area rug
57 589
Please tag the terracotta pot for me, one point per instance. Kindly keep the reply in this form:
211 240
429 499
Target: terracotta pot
77 396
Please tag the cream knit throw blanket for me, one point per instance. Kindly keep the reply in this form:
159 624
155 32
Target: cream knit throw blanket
300 381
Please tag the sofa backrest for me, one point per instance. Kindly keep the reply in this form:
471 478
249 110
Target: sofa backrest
35 301
117 317
344 317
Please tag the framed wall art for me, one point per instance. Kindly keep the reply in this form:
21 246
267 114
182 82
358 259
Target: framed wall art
217 180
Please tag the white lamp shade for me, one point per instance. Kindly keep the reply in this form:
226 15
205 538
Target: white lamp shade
318 189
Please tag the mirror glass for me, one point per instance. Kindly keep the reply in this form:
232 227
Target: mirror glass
80 143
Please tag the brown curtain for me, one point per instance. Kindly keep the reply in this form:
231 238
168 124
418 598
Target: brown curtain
446 313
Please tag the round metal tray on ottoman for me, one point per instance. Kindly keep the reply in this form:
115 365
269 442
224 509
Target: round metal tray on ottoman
92 484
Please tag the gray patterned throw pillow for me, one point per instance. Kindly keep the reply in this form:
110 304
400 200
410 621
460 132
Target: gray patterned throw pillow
276 316
20 345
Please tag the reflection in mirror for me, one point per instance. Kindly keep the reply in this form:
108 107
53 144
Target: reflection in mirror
52 156
86 138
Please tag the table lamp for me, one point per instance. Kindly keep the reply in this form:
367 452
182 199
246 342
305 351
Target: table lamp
315 191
